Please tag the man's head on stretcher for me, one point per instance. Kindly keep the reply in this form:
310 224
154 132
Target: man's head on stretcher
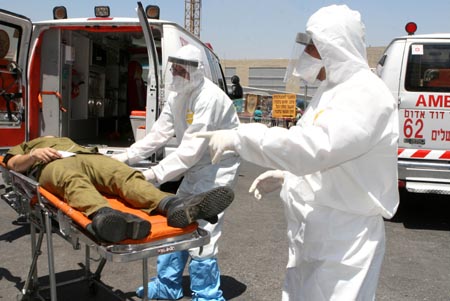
81 176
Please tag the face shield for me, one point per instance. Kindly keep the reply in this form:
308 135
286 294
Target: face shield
179 75
302 66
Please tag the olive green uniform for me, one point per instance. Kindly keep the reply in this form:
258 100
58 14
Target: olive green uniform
82 178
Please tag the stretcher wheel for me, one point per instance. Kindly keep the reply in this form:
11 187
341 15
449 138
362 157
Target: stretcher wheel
93 288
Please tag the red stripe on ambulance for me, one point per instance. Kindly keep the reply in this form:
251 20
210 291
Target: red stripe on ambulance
423 154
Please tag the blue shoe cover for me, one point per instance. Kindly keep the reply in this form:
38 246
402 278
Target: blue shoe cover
168 285
205 280
158 291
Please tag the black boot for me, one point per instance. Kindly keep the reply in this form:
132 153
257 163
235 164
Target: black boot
113 226
181 212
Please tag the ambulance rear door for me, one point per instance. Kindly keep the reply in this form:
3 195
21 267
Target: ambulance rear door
424 97
15 33
424 115
154 96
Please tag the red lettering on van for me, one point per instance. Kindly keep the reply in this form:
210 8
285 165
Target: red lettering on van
436 101
421 101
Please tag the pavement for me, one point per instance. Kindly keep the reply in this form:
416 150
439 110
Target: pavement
252 253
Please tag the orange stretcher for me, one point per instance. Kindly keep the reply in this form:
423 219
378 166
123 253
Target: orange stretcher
49 214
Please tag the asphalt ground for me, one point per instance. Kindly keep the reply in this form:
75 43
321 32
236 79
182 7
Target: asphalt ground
252 253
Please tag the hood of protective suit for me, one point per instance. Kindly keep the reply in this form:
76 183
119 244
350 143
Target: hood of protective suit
339 35
189 53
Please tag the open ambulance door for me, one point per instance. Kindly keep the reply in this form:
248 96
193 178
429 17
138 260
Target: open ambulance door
154 95
15 33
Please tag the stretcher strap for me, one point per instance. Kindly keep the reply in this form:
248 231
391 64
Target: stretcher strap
74 214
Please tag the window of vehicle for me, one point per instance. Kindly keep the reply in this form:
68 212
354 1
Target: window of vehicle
428 68
216 71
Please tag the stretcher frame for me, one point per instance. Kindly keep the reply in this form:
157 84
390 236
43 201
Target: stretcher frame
32 203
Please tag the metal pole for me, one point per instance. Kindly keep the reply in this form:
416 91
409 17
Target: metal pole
51 260
145 278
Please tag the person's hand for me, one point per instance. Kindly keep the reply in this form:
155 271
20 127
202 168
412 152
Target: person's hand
150 175
219 142
45 154
267 182
122 157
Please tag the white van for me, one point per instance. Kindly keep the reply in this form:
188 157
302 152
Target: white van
74 77
416 69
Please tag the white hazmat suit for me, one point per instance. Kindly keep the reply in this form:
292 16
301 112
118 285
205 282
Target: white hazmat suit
340 168
197 105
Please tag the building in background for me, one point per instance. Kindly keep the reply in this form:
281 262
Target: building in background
261 79
269 74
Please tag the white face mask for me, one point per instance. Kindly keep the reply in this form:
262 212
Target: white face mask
307 68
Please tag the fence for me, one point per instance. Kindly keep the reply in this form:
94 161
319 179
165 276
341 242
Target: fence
280 122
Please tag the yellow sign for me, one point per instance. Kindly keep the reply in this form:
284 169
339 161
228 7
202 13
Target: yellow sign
284 105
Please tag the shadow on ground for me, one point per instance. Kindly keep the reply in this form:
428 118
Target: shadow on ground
73 286
231 287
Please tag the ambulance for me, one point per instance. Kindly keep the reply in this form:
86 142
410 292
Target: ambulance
416 69
85 78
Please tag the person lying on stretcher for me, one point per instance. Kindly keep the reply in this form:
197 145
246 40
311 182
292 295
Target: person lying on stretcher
80 176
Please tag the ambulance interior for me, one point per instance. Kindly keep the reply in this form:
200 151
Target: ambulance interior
101 75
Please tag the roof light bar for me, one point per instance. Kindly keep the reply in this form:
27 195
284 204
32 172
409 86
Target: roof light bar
102 11
152 11
59 12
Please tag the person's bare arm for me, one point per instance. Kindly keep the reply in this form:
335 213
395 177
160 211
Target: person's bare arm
22 163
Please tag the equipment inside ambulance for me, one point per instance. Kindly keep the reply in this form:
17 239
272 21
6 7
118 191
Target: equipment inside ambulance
416 69
96 80
11 107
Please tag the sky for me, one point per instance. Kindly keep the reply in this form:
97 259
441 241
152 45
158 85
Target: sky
261 29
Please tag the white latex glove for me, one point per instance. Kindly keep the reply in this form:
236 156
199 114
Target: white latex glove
267 182
122 157
150 176
219 142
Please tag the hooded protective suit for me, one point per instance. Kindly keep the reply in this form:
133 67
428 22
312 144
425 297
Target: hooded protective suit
340 164
197 105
